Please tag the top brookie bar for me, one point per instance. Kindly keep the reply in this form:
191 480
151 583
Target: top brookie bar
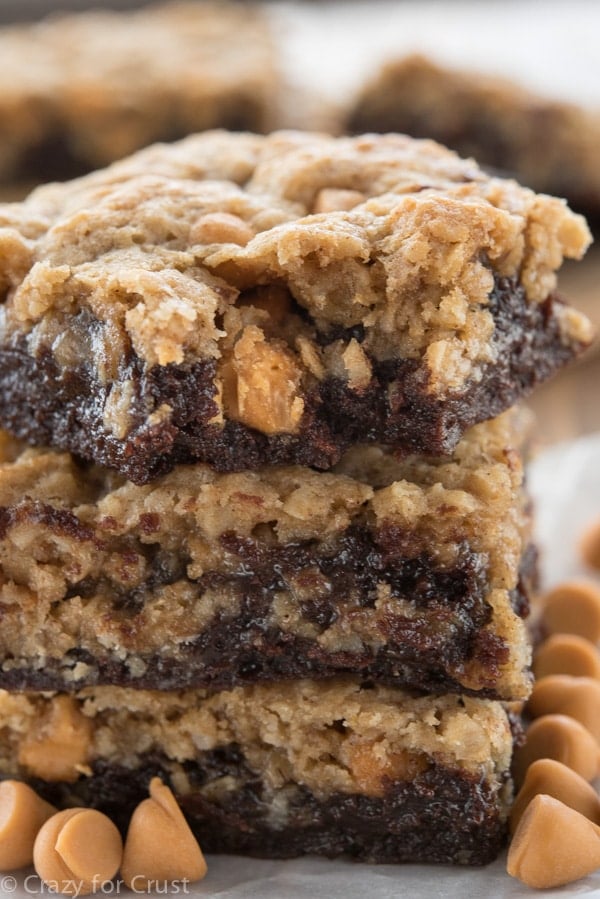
551 146
89 88
246 300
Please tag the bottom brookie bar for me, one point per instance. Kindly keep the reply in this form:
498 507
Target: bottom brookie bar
279 770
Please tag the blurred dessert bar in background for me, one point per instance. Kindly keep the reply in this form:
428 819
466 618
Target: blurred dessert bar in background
549 145
86 89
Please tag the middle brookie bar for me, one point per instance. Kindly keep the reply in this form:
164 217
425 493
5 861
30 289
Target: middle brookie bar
412 572
278 770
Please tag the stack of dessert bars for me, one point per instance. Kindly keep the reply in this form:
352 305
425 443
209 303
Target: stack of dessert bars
263 525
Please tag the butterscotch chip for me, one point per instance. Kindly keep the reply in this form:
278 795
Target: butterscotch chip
590 546
553 845
555 779
577 697
22 813
566 654
357 366
373 768
563 739
573 608
268 382
57 749
77 851
160 846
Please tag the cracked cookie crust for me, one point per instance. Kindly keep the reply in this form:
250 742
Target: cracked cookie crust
280 770
245 300
413 572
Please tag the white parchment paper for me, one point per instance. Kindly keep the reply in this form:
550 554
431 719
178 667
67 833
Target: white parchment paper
565 482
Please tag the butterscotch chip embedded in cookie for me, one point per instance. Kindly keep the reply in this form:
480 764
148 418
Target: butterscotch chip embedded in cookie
144 326
284 769
57 749
413 572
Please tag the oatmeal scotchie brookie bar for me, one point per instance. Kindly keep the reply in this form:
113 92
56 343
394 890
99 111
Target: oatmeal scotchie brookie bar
312 659
278 770
244 300
415 573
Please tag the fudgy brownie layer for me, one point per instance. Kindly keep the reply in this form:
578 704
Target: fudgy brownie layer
281 769
443 815
44 404
245 301
440 626
413 571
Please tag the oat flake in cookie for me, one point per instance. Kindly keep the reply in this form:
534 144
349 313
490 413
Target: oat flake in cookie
245 300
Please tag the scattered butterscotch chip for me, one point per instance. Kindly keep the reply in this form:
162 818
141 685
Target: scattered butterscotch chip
553 845
160 845
577 697
22 813
563 739
590 545
555 779
573 608
77 851
566 654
